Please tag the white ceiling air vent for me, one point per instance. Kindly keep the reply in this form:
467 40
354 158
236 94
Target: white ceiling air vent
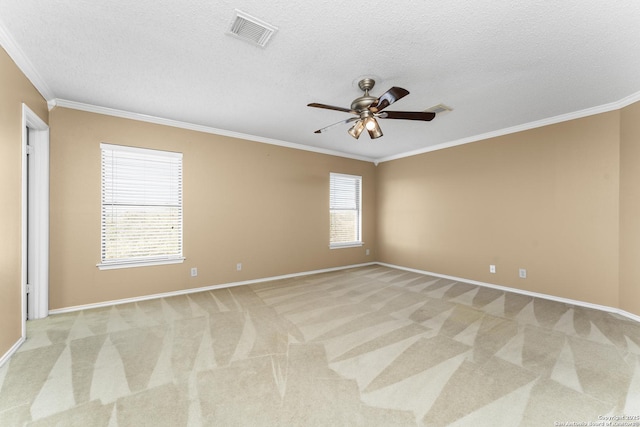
438 109
250 29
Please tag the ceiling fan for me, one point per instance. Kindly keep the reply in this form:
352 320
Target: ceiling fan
368 108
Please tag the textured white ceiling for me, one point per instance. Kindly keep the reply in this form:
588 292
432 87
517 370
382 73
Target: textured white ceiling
499 63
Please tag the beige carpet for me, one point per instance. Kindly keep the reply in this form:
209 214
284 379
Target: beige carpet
371 346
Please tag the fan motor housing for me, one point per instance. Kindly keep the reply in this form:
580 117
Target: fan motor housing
362 103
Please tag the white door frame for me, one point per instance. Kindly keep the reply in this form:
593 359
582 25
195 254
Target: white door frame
39 213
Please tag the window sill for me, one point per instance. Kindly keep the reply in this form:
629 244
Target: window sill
114 266
346 245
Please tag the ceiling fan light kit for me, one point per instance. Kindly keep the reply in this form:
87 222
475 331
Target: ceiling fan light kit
356 129
373 128
368 109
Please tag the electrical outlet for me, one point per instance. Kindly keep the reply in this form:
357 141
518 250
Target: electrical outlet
367 252
239 266
522 273
492 268
194 271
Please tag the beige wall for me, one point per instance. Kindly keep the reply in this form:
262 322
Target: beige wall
546 200
15 89
262 205
560 201
630 209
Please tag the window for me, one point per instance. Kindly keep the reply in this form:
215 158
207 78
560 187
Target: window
345 200
141 207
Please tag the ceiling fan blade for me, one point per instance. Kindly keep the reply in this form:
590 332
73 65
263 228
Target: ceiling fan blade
426 116
388 98
324 129
330 107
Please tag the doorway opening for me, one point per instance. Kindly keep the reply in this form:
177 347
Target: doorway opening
35 217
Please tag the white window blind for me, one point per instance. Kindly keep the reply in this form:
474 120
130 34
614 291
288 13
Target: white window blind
141 206
345 199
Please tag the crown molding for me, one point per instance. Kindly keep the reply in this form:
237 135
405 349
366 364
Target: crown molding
23 63
628 100
198 128
617 105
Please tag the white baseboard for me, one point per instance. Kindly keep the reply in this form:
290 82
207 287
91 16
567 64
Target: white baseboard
521 291
308 273
608 309
201 289
5 357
